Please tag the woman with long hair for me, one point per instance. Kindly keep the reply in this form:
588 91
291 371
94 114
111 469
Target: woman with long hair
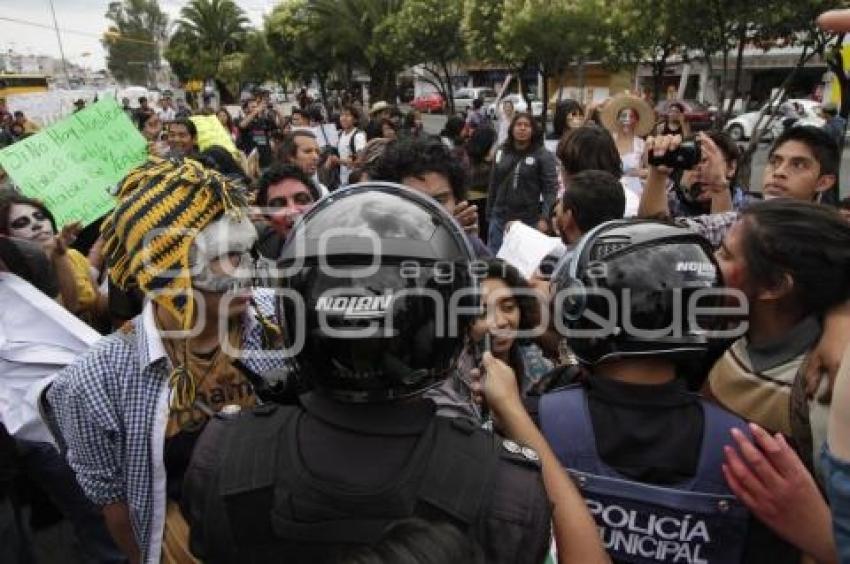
568 115
227 122
790 261
675 123
511 308
524 183
30 220
479 148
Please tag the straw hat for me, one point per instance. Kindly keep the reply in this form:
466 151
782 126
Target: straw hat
378 106
646 115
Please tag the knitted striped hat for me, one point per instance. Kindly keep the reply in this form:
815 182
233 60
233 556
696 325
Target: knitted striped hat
163 205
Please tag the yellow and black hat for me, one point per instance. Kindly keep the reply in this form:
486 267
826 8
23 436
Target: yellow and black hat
164 204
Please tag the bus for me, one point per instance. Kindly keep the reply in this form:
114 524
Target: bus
11 84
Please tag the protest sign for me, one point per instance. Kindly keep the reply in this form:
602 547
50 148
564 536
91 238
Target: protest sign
72 165
211 132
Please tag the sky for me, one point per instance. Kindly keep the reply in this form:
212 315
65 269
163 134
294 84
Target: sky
83 22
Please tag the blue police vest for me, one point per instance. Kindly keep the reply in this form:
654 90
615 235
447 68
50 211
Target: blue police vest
698 521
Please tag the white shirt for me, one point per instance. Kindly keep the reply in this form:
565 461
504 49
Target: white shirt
631 180
344 148
166 114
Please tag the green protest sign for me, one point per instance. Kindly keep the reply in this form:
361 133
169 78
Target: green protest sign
73 165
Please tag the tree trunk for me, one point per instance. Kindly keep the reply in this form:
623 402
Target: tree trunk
718 117
658 68
739 66
450 90
545 110
438 83
562 83
523 91
349 75
321 78
381 84
580 81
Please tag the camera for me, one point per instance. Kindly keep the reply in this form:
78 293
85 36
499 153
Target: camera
685 157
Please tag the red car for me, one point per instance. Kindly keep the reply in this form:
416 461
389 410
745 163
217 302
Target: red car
428 103
697 114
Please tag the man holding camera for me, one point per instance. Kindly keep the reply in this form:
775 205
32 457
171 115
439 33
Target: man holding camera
802 165
256 126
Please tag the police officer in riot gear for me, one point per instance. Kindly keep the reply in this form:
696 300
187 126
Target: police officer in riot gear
646 453
379 290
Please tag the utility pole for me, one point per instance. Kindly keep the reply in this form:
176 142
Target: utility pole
61 49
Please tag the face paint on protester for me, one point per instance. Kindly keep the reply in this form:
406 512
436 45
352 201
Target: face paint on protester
627 118
287 201
220 258
30 223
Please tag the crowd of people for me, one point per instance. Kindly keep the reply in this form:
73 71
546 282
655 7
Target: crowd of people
322 346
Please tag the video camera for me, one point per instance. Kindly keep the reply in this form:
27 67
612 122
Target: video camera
685 157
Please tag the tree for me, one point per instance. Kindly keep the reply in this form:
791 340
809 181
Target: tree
133 39
427 33
731 26
791 23
579 35
648 31
207 32
302 44
481 20
254 64
357 26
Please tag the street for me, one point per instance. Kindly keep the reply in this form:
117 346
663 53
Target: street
434 123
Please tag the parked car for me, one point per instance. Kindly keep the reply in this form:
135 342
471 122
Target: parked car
463 97
433 102
742 127
519 105
699 116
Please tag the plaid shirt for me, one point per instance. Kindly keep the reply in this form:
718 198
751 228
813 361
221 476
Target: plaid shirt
712 226
112 409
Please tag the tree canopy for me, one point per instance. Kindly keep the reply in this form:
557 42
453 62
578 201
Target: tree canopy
208 33
137 29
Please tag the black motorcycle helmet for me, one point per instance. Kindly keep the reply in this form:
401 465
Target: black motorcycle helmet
629 288
386 302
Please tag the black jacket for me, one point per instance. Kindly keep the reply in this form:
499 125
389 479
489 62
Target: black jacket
342 454
523 185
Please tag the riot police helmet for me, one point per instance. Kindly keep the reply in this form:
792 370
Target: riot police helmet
638 288
378 293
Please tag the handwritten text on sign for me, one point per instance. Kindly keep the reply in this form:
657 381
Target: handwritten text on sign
72 165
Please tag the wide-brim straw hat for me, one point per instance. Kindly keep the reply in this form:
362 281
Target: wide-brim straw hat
378 106
646 115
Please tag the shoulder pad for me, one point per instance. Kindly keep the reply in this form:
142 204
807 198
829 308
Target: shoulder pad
263 409
519 454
